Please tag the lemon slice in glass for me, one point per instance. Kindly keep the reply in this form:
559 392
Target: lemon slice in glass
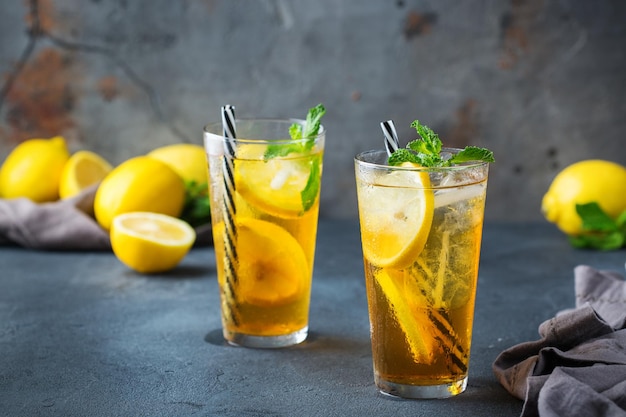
273 186
273 269
150 242
396 215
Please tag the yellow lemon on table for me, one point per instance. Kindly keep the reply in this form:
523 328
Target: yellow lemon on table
139 184
150 242
33 169
587 181
396 223
188 160
83 169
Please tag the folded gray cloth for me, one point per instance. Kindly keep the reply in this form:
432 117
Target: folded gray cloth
578 367
61 225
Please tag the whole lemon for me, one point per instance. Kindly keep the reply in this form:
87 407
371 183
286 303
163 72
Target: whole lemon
188 160
139 184
588 181
33 169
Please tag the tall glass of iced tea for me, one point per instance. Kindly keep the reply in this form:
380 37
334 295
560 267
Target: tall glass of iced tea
421 231
264 211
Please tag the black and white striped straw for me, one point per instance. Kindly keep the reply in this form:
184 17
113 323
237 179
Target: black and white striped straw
229 207
445 333
391 136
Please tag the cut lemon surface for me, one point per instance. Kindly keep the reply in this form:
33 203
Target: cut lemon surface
273 186
396 215
273 269
83 169
416 327
150 242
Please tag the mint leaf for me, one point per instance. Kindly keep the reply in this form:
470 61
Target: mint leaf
594 218
621 221
296 131
600 230
402 155
472 153
273 151
429 143
313 122
606 241
197 207
426 151
311 189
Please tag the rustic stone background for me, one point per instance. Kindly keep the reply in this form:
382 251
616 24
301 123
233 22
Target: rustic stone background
541 82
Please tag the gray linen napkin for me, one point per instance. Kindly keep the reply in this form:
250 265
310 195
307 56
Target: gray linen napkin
578 367
61 225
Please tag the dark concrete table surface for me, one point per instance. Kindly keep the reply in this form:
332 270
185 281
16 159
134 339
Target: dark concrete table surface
81 335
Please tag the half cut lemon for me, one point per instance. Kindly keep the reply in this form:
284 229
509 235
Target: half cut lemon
83 169
150 242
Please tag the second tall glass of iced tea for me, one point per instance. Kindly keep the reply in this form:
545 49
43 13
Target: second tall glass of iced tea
421 233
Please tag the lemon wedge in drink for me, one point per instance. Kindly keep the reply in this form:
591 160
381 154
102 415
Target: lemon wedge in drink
397 218
274 185
415 326
273 269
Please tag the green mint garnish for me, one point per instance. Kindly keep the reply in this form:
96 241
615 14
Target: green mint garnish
309 132
297 132
426 151
197 208
600 230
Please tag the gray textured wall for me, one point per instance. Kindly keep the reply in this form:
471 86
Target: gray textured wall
541 82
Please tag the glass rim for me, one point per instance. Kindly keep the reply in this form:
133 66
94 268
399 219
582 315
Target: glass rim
215 129
373 165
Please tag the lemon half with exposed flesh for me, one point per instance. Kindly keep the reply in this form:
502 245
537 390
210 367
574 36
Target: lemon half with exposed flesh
396 218
83 169
150 242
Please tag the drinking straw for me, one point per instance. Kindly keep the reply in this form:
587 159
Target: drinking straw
439 319
391 136
229 208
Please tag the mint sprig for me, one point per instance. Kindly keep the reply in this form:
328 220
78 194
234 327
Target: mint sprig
600 231
309 131
297 132
197 208
426 151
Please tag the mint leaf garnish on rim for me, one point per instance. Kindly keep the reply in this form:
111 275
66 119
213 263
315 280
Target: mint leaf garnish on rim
426 151
309 132
600 230
297 131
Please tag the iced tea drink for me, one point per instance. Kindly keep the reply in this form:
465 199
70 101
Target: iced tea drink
421 232
264 229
